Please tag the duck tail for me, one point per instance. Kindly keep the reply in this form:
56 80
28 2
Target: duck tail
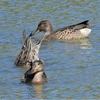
86 22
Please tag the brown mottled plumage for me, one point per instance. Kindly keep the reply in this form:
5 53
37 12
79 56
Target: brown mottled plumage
77 31
29 51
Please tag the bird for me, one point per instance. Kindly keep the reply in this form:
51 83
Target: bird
29 52
76 31
35 74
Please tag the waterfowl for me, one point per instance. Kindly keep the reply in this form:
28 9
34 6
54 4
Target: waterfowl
29 52
36 74
77 31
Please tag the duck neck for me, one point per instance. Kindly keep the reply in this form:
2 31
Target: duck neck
38 77
47 33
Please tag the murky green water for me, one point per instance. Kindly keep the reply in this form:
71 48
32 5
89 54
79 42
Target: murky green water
73 67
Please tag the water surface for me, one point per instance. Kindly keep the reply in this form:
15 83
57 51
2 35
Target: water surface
73 67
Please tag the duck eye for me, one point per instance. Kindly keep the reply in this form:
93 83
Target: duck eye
42 25
38 63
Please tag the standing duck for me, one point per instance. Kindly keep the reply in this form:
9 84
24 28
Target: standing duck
77 31
36 74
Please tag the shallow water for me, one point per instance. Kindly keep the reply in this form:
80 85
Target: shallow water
73 67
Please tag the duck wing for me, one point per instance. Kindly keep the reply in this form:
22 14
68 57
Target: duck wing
45 77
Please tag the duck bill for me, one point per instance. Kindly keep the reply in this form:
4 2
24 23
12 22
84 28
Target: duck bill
36 32
34 71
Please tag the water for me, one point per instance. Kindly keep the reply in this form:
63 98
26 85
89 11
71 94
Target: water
73 67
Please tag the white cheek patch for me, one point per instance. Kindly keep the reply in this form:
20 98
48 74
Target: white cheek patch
85 31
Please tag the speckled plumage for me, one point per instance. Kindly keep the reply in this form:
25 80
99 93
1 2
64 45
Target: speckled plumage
29 52
77 31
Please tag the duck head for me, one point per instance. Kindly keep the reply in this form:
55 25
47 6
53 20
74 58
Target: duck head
33 73
43 26
36 66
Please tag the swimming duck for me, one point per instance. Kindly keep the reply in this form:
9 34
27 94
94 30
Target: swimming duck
29 52
77 31
35 74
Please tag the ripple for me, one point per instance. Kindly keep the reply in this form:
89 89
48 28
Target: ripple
71 66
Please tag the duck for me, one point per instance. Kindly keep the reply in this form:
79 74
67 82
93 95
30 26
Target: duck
76 31
29 52
35 74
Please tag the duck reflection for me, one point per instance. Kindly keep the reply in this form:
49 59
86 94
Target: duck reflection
39 90
85 44
82 46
